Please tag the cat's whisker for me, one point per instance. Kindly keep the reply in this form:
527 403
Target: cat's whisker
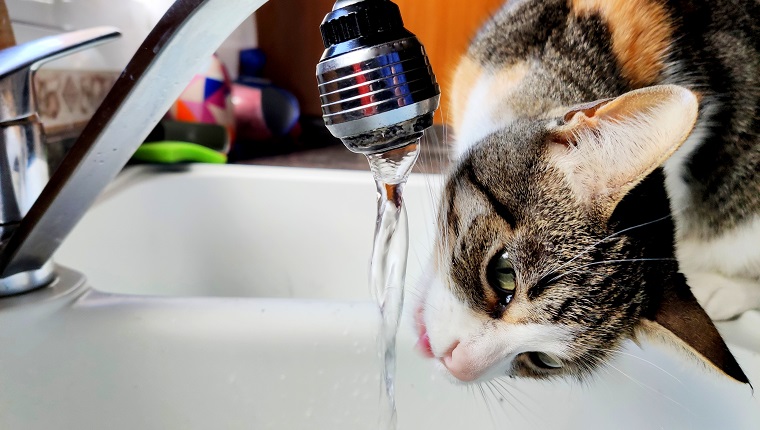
412 289
611 236
606 370
505 386
596 263
589 371
612 351
500 405
584 373
419 296
485 401
502 392
620 352
585 272
415 294
498 398
647 387
505 381
503 395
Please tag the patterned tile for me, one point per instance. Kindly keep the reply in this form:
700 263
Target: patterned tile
66 99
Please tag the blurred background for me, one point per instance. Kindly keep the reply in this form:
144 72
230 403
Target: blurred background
260 87
443 26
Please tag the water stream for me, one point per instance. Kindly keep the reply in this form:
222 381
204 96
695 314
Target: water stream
388 264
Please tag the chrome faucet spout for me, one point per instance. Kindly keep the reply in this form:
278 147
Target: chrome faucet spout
377 87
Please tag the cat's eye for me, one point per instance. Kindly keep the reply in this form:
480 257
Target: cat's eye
544 361
501 277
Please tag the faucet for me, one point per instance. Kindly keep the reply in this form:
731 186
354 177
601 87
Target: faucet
376 85
23 165
369 52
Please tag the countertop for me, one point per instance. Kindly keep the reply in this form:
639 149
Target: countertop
434 157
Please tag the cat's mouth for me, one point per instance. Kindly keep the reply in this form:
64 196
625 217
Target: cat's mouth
463 373
423 341
465 366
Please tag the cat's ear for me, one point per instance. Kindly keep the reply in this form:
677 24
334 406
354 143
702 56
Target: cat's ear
679 321
606 147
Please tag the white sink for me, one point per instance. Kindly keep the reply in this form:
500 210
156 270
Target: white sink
238 231
235 297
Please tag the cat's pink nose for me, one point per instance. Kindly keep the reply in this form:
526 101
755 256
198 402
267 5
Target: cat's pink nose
459 365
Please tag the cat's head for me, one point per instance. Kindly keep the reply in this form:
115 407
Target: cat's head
538 269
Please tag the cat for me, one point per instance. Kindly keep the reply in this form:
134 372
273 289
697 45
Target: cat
608 170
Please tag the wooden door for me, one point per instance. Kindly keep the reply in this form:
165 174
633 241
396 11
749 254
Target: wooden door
289 34
6 32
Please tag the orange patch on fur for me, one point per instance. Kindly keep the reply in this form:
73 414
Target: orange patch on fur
641 34
465 76
500 83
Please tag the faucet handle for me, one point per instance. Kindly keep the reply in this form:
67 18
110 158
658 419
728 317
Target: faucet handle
18 64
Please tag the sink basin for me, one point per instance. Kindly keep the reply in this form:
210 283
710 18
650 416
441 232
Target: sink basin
236 297
239 231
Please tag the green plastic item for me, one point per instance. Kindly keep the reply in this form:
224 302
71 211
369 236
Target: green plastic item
171 152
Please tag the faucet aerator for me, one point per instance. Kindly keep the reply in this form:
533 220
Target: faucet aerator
376 85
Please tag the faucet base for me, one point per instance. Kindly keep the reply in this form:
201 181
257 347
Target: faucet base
27 281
